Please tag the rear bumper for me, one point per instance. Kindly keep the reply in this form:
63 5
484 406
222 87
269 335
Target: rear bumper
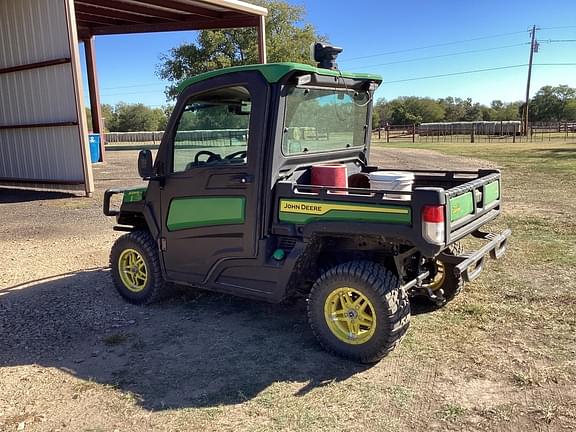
469 266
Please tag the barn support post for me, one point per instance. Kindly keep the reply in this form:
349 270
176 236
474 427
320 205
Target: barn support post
262 55
95 107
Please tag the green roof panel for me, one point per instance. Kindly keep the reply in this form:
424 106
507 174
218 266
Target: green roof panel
274 72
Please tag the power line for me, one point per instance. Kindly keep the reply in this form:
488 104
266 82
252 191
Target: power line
559 27
433 46
446 55
554 64
476 71
130 93
134 85
456 73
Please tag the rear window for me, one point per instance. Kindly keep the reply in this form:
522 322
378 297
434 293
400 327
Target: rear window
321 120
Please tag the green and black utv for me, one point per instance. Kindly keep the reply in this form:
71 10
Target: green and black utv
230 207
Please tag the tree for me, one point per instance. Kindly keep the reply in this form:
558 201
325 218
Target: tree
501 111
288 39
552 103
454 109
570 110
108 117
137 117
409 110
89 118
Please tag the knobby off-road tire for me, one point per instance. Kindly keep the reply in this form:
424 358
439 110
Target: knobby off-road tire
136 269
450 284
367 292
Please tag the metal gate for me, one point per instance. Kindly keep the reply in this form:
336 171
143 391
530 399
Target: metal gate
43 133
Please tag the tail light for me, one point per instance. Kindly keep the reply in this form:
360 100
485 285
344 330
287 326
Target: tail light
433 226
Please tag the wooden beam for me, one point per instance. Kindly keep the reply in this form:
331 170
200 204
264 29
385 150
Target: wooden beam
86 26
36 65
73 46
109 13
83 17
262 56
95 107
176 26
140 9
183 7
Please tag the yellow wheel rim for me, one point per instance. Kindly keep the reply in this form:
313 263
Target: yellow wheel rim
350 315
133 270
439 279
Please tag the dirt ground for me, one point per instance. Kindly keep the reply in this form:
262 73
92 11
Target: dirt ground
75 357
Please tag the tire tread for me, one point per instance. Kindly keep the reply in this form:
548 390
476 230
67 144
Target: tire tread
387 287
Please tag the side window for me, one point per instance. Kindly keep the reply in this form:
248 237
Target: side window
213 130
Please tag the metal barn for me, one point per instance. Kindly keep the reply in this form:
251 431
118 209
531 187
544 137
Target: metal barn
43 131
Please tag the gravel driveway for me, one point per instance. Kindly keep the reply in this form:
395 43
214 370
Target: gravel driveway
74 355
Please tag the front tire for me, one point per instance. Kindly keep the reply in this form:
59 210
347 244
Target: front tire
358 311
136 269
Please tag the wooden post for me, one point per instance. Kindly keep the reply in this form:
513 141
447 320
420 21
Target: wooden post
95 108
262 56
472 135
414 132
514 135
387 133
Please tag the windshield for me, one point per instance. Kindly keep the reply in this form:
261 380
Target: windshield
319 120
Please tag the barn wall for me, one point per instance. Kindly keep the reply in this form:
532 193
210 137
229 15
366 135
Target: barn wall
33 31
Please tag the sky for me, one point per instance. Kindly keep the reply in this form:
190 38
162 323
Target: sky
402 41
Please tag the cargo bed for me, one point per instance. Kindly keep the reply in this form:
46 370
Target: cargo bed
470 199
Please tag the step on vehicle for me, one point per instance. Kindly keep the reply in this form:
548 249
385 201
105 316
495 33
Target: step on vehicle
262 188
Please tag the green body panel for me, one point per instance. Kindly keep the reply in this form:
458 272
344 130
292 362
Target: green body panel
194 212
353 212
274 72
491 192
134 194
461 206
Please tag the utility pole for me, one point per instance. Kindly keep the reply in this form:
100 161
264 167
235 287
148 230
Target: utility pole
533 49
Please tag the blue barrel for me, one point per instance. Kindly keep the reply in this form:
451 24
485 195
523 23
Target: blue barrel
94 140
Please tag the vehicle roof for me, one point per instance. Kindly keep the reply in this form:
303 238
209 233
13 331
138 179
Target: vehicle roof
274 72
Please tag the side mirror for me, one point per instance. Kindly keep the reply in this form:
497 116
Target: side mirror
145 164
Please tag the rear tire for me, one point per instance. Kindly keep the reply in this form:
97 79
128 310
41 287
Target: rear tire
358 311
136 268
448 282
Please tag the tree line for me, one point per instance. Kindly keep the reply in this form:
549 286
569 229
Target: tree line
549 104
125 117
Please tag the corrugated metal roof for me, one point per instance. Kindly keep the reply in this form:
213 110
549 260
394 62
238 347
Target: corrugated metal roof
99 17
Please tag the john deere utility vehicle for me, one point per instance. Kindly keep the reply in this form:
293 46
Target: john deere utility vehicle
233 205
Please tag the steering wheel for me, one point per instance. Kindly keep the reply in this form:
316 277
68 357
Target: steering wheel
236 155
211 156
